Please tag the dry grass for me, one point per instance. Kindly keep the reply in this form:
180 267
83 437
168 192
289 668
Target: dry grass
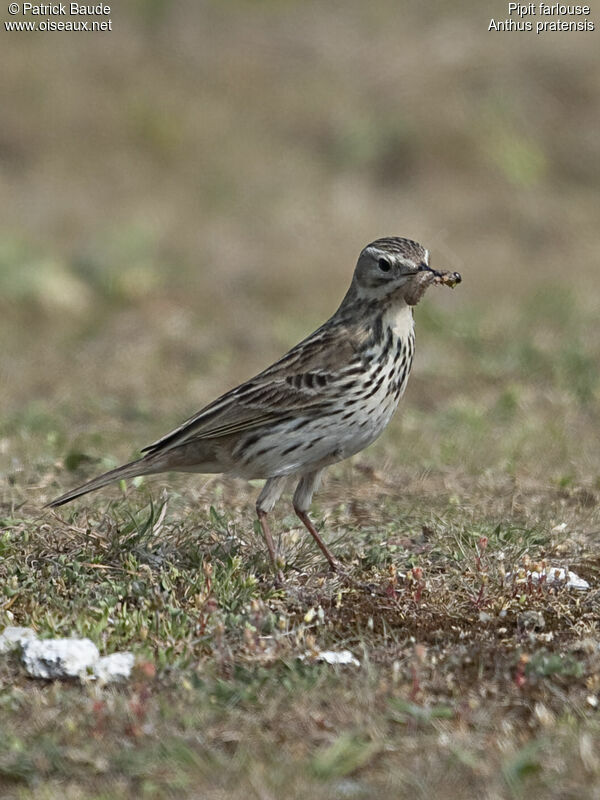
469 679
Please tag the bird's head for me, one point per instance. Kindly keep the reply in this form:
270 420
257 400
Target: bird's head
387 268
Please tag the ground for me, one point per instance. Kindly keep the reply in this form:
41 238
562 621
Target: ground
182 208
471 676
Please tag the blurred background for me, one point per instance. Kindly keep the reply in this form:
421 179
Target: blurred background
185 197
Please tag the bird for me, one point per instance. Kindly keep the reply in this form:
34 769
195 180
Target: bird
325 400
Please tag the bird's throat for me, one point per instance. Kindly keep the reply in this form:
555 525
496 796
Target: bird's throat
399 317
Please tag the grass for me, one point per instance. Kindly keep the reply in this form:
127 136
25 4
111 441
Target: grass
472 679
468 678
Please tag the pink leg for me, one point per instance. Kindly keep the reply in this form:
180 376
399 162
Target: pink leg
313 532
262 518
266 501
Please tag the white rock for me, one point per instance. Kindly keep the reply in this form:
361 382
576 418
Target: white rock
560 528
556 576
338 657
60 658
116 667
560 575
12 638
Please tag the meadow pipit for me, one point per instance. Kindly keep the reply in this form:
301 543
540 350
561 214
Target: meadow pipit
328 398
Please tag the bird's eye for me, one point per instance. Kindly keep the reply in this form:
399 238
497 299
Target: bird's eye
384 265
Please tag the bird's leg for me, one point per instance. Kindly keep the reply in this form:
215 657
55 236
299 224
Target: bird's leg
266 501
309 483
262 518
313 532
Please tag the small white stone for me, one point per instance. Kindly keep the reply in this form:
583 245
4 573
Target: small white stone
338 657
575 582
560 528
12 638
555 575
560 575
116 667
60 658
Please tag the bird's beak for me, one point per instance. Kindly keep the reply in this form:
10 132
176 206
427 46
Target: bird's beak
427 268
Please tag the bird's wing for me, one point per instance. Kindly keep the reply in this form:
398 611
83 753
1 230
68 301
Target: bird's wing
305 382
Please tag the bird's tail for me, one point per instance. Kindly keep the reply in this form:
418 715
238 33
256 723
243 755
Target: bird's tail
142 466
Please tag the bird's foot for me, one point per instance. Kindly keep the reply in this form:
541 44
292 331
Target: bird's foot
336 566
279 579
342 572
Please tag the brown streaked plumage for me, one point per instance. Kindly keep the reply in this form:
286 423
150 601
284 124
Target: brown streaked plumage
329 397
